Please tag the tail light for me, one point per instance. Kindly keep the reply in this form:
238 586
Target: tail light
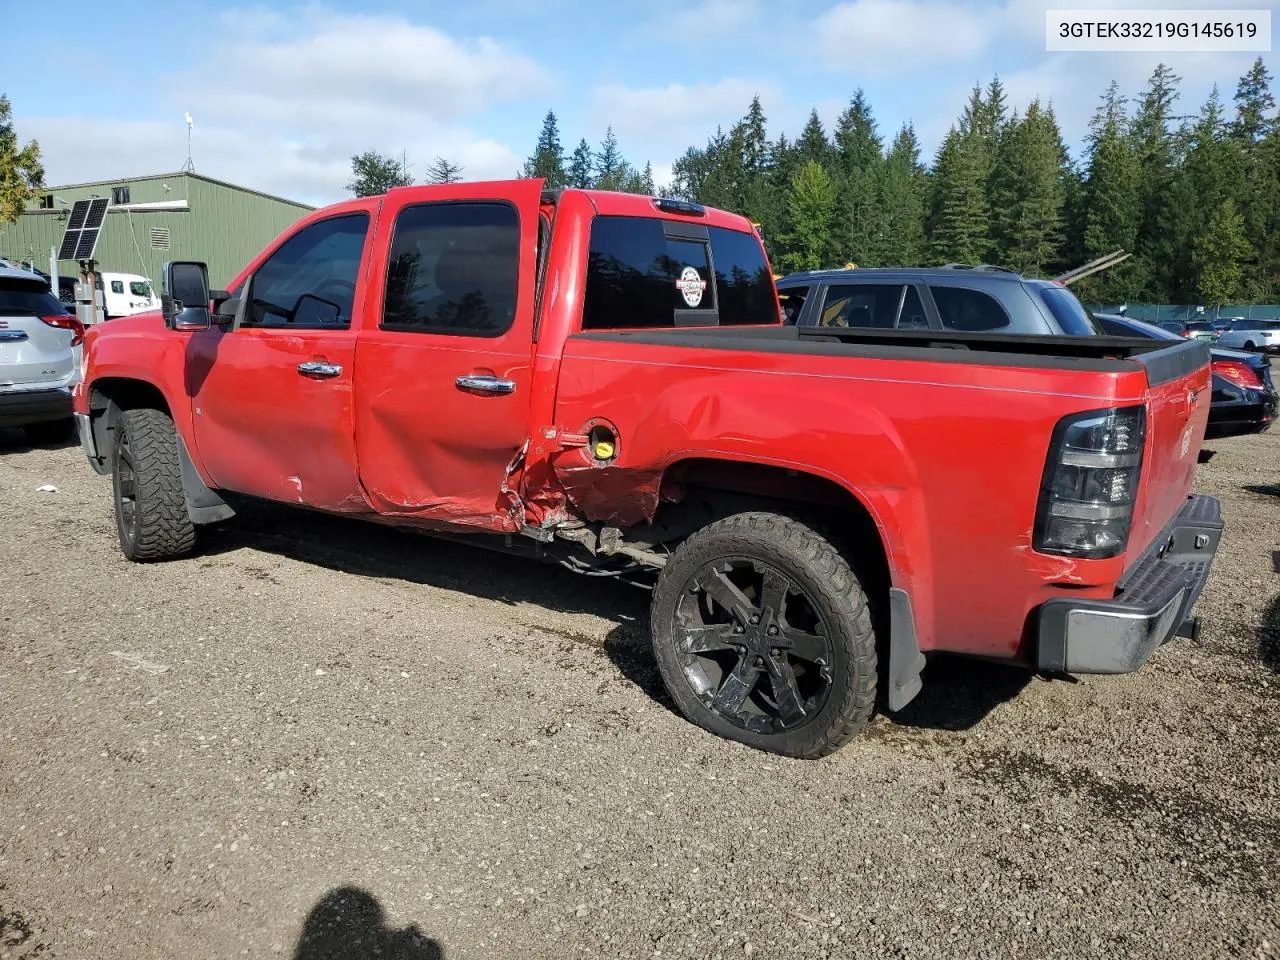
1238 372
1090 483
67 321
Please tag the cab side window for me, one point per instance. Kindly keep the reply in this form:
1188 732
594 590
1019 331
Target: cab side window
310 280
453 269
969 310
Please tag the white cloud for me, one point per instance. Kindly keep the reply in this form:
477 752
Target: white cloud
877 37
665 120
285 111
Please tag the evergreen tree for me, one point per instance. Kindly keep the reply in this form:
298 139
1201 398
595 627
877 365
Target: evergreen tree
547 161
1210 173
647 186
755 140
960 221
813 143
1028 191
1112 204
1218 256
903 190
1262 219
1254 130
610 169
859 219
1255 106
809 207
581 166
1154 145
442 171
688 174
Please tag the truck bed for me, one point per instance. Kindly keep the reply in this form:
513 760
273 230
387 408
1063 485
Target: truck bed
1163 360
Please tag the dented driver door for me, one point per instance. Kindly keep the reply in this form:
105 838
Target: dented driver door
443 373
272 401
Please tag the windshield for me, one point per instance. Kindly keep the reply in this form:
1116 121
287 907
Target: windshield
1199 325
1069 312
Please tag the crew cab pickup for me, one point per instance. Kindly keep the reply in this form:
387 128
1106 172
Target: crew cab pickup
604 380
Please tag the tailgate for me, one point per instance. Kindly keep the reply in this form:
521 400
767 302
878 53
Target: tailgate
32 353
1178 382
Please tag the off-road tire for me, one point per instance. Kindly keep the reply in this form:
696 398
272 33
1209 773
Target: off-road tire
47 432
834 593
161 529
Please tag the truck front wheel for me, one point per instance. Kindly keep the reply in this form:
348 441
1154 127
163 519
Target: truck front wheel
762 634
146 481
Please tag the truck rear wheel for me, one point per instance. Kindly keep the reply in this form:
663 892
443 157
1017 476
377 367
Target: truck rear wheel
762 633
146 481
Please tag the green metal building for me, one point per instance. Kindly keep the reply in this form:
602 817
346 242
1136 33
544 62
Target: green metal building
174 216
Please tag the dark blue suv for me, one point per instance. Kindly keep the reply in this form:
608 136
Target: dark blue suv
971 299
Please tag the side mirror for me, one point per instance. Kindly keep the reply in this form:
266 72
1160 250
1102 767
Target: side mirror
184 296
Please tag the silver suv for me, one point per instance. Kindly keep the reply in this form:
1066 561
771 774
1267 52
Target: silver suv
1263 335
40 353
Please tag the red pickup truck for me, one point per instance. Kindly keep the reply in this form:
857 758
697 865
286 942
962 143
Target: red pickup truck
605 381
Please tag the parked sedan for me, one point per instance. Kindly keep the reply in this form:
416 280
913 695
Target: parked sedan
1244 397
40 352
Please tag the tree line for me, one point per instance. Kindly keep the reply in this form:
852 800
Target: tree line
1194 197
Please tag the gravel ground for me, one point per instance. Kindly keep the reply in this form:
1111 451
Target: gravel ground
320 738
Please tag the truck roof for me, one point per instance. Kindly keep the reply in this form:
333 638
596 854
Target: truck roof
619 204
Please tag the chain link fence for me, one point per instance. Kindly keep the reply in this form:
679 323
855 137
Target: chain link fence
1181 312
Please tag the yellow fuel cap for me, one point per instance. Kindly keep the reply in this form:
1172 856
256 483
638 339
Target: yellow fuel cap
604 449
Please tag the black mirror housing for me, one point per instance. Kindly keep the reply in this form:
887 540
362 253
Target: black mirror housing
184 295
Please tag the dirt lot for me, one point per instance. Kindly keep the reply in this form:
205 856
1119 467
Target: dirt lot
324 739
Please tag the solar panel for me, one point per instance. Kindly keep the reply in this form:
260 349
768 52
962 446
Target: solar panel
68 249
79 210
88 240
97 213
84 226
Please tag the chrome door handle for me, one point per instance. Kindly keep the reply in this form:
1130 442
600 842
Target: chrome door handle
485 384
318 368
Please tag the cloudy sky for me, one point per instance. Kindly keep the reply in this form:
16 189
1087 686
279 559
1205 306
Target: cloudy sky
283 95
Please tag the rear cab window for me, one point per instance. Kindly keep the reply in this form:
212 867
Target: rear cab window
646 272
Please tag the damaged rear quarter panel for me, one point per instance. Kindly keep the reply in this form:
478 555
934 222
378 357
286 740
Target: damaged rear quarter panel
946 457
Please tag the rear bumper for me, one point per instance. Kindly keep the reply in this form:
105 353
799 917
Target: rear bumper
1151 604
1254 413
20 407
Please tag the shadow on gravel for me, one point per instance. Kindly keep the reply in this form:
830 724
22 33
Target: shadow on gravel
348 924
16 441
368 549
631 650
1264 490
959 692
1269 629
